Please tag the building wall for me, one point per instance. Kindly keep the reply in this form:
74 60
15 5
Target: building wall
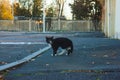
109 25
117 20
111 18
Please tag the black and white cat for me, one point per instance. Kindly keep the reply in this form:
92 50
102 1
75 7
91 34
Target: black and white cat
60 42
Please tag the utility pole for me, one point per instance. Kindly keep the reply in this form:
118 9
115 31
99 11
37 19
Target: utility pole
44 15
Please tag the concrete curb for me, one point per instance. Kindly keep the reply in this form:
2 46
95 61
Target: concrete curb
28 58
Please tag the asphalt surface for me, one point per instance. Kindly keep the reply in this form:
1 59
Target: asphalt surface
95 57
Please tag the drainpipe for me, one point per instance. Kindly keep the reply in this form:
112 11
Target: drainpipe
108 18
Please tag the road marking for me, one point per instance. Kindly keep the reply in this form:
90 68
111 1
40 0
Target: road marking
26 59
17 43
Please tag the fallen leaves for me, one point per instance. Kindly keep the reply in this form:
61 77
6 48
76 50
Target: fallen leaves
93 62
105 56
2 62
1 77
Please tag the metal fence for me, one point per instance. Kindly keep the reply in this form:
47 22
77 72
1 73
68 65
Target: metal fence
53 25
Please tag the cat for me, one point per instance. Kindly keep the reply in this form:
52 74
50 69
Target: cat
60 42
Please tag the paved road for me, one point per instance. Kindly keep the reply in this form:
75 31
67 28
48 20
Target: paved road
94 58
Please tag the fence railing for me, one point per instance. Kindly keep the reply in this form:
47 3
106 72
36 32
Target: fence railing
53 25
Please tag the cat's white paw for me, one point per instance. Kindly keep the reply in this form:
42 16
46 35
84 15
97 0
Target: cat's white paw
66 54
53 55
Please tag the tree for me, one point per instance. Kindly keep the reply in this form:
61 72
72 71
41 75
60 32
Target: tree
16 9
5 10
37 6
28 8
50 12
82 9
21 11
27 4
90 9
60 4
23 8
96 17
79 10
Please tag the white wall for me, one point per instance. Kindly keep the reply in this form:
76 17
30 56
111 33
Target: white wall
117 20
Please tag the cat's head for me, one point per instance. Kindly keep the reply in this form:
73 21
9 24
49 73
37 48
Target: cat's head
49 39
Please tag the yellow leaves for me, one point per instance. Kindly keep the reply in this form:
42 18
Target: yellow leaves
5 10
6 15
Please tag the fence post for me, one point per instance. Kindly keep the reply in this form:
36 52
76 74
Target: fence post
30 25
59 26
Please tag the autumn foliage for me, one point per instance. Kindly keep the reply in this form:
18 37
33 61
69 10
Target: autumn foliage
5 10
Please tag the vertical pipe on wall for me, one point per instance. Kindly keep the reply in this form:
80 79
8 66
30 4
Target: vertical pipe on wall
108 18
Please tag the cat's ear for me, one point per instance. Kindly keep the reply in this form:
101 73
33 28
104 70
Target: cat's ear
46 37
50 37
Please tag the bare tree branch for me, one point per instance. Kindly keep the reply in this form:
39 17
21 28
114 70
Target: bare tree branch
60 4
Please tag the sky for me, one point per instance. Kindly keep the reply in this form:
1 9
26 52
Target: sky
67 9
